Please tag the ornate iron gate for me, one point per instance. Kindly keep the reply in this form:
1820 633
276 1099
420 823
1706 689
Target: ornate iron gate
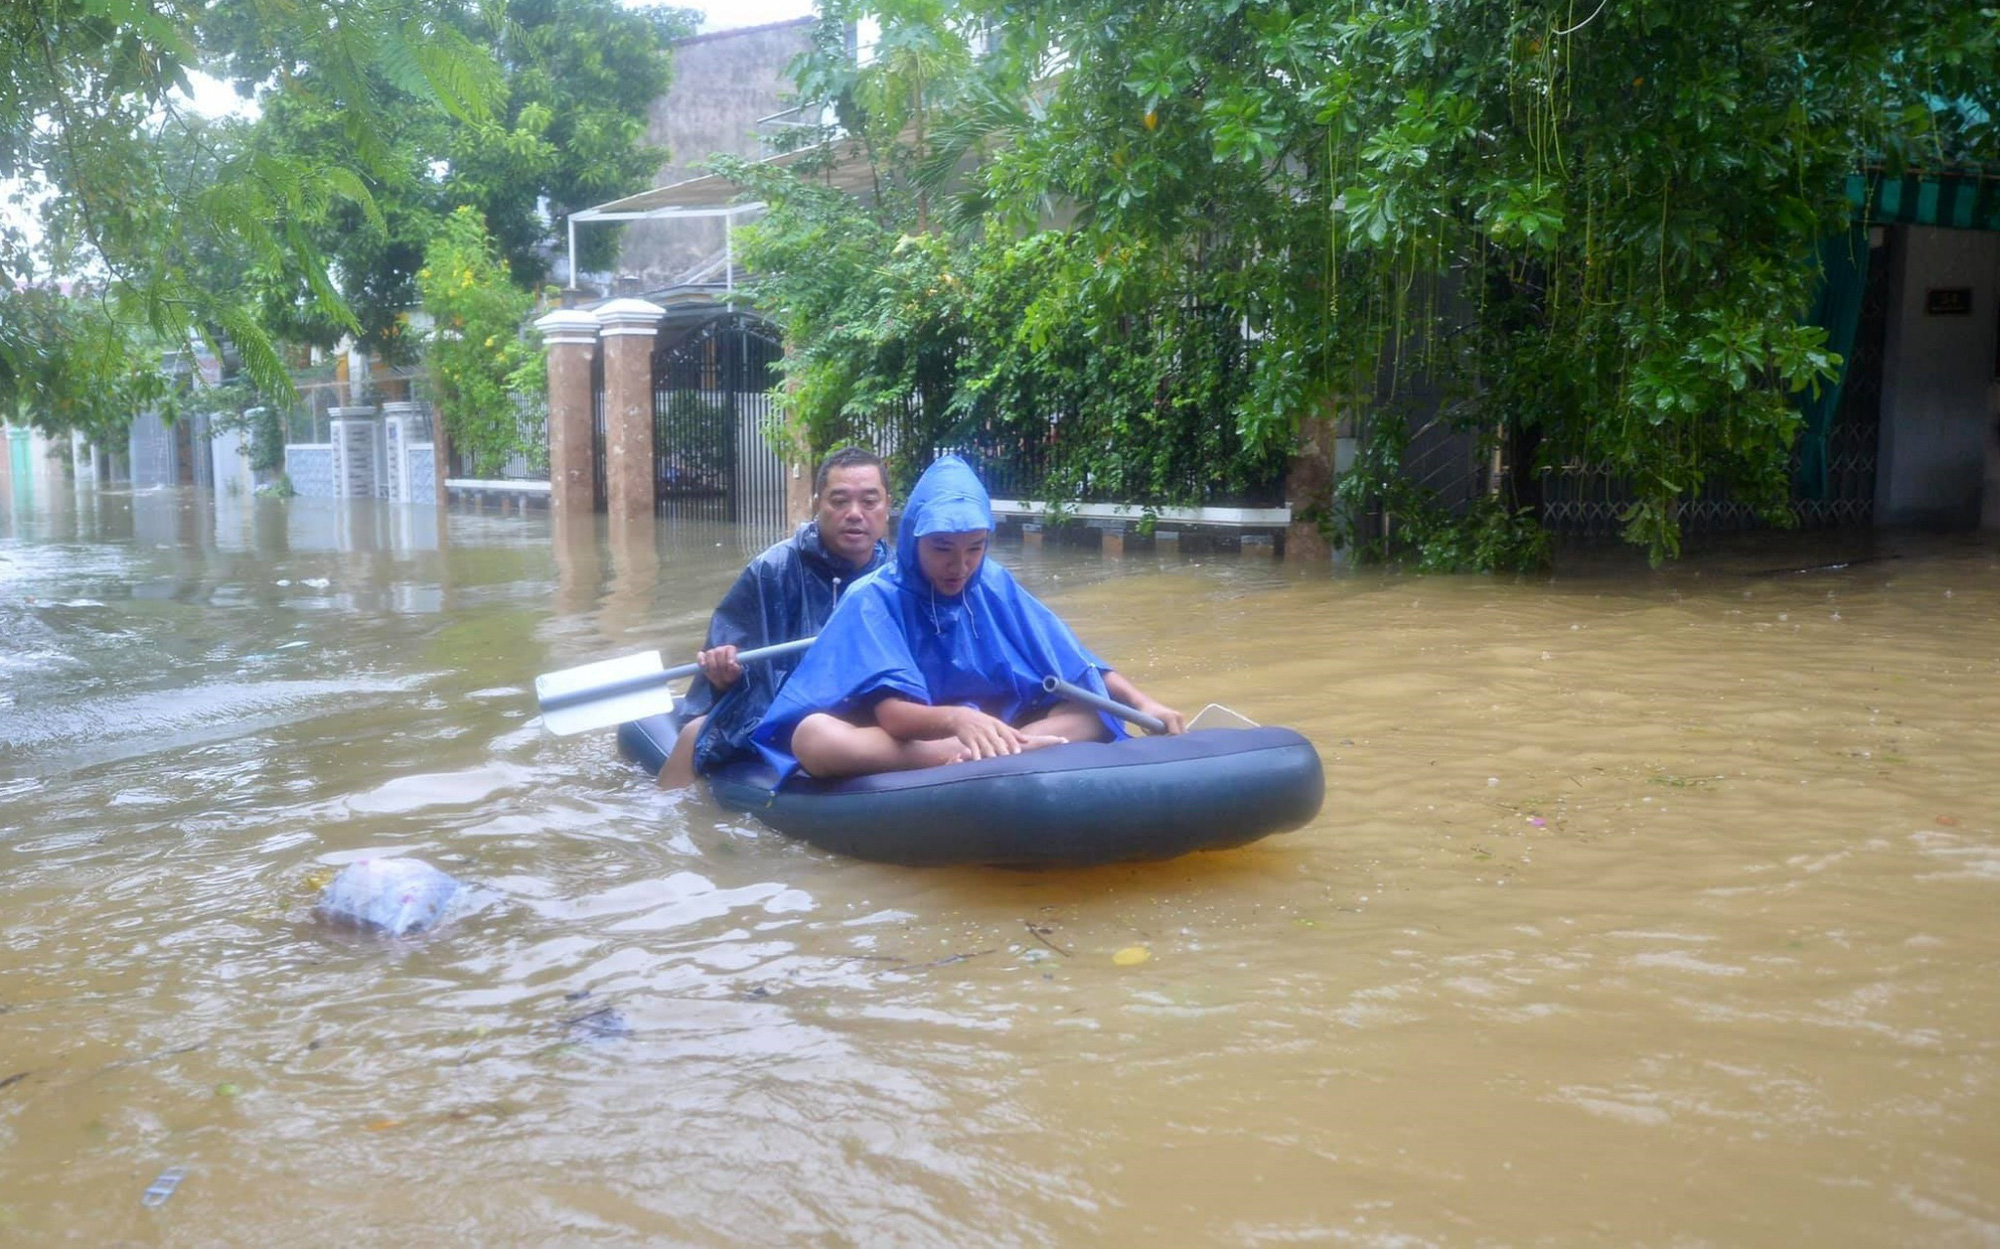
711 401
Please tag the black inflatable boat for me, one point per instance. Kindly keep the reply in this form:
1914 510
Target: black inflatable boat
1084 803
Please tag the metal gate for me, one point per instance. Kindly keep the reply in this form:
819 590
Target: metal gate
711 402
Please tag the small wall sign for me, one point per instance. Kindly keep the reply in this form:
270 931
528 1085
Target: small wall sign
1948 301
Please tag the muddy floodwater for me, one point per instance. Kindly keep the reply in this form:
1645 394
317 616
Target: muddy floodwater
1645 908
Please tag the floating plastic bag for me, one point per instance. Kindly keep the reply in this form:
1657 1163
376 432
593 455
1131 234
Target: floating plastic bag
393 896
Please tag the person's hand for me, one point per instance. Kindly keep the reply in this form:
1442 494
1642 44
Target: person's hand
1174 720
718 664
987 737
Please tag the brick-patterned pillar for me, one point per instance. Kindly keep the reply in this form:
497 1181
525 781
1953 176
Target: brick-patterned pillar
570 337
629 327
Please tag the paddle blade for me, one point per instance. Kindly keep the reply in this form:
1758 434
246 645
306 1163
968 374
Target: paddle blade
1217 716
599 695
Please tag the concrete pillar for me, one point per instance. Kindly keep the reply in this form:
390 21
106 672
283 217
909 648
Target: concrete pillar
83 459
629 606
629 329
355 470
798 493
579 555
570 337
404 425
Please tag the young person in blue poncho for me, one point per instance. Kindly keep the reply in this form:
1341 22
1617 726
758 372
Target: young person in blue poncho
938 657
785 594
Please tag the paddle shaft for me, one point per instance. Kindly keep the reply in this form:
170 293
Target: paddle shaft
1078 694
651 680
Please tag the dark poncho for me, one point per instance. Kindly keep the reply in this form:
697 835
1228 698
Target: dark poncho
989 647
784 594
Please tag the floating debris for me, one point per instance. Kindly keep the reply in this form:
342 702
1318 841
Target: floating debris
1041 932
606 1023
398 897
162 1188
1809 569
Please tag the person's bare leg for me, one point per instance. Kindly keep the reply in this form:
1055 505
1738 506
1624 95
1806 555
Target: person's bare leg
829 747
1069 722
678 771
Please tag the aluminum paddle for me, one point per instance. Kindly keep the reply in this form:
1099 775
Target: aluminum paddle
631 687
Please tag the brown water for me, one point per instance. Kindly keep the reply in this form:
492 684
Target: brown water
1645 908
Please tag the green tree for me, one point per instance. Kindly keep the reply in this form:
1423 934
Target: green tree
487 373
96 143
582 74
566 133
1591 229
911 308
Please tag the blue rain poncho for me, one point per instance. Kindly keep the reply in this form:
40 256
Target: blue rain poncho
988 647
786 593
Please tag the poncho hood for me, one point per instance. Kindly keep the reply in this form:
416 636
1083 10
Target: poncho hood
948 499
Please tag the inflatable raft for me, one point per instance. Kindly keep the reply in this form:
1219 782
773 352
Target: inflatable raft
1084 803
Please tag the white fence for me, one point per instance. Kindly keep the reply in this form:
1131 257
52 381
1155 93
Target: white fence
369 456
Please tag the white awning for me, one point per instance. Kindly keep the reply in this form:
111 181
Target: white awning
839 164
713 195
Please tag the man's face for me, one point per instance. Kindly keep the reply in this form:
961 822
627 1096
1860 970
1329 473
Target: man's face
853 512
951 560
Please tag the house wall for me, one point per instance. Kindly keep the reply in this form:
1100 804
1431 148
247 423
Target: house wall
27 468
723 83
1937 380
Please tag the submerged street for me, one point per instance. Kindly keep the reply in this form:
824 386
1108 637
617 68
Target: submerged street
1645 906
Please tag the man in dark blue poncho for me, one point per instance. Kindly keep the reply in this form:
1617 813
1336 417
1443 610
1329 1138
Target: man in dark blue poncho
785 594
939 657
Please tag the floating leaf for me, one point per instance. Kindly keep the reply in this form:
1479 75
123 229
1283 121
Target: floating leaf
1132 956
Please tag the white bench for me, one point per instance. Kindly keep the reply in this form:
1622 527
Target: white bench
1130 513
498 485
1255 527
